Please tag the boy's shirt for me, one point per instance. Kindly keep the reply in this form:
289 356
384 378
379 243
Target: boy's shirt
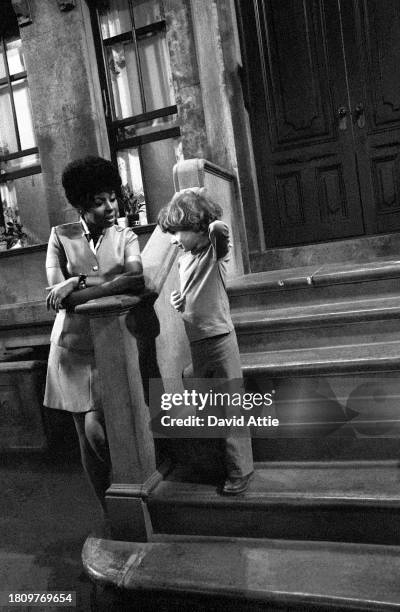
202 275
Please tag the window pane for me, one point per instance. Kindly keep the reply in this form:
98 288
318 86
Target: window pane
147 127
156 74
31 194
22 203
114 18
158 160
15 56
9 202
2 65
8 141
132 183
24 114
124 79
146 12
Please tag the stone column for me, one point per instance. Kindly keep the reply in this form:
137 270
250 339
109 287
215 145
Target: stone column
126 416
226 119
65 95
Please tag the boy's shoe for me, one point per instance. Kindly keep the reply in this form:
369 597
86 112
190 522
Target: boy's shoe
236 484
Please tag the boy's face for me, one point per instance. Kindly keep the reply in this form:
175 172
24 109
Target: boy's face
187 240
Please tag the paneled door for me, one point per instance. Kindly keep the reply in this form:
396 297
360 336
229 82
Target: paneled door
323 94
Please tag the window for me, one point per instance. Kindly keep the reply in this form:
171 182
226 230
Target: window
19 155
139 99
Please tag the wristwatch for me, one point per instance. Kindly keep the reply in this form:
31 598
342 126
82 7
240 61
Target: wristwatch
82 281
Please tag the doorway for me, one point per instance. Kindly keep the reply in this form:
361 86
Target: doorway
322 87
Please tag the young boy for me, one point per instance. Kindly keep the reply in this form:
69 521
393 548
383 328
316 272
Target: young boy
192 220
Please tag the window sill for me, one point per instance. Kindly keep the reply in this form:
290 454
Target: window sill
34 248
23 250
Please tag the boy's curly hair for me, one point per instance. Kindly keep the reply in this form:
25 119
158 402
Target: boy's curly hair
83 178
189 209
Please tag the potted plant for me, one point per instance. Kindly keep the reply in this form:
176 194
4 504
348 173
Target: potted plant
134 203
3 239
15 235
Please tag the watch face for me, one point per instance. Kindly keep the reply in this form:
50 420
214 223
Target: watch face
82 281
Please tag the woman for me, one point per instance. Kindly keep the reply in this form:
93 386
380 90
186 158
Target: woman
89 259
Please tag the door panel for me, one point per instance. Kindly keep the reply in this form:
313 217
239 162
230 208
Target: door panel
297 83
375 82
295 76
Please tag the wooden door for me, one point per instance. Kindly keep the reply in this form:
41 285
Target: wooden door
372 46
323 92
301 125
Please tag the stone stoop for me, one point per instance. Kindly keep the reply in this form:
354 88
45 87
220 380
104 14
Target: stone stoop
243 575
319 526
326 342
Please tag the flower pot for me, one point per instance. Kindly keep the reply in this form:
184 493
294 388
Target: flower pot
17 245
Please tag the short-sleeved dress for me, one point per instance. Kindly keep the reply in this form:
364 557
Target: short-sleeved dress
71 382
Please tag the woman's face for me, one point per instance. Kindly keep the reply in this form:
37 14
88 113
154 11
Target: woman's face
103 211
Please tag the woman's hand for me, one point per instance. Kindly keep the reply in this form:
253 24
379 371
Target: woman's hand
177 301
58 292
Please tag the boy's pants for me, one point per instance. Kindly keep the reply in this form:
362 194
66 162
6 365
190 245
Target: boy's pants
218 357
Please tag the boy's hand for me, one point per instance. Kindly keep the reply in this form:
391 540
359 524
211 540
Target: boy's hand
177 301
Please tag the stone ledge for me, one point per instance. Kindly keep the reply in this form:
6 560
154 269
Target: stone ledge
313 276
270 571
33 248
18 366
25 314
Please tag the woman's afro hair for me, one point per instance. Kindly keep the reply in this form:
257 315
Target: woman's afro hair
83 178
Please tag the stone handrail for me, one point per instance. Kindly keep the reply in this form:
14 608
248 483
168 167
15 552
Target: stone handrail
126 413
117 357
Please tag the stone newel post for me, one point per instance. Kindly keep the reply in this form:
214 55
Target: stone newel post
126 414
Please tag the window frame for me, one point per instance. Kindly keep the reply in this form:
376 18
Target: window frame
114 125
9 33
7 81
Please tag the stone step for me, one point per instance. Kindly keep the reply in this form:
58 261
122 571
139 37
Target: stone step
347 358
355 249
338 322
329 391
193 574
314 284
326 449
335 501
